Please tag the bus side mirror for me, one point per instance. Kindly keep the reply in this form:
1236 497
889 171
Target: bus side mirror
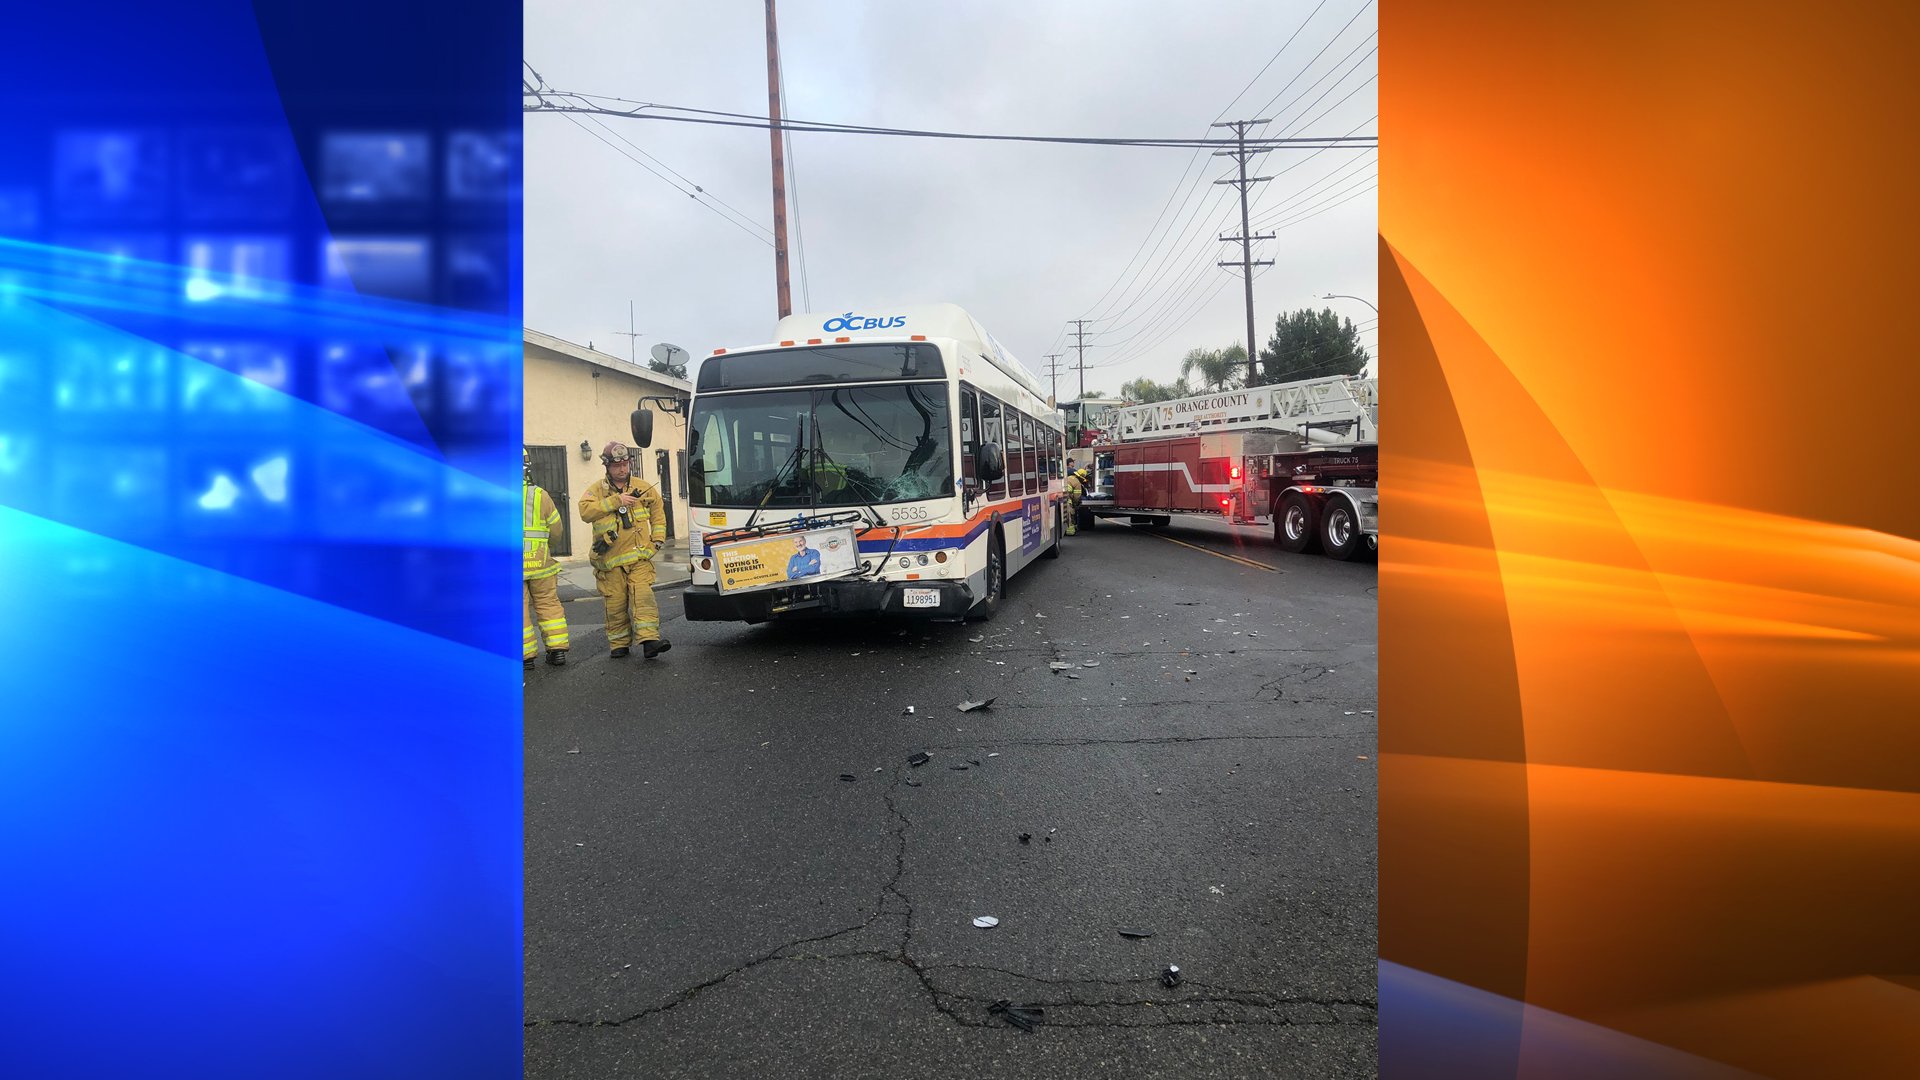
641 421
992 462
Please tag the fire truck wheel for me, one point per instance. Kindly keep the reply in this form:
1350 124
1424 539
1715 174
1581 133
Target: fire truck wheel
996 581
1339 530
1053 550
1296 524
1083 518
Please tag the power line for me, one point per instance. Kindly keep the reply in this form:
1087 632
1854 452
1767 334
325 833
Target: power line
748 120
1182 185
793 188
698 193
583 127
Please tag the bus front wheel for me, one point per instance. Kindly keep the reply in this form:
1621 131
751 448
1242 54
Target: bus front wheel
996 586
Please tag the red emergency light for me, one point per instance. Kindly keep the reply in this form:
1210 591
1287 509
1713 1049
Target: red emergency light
1234 472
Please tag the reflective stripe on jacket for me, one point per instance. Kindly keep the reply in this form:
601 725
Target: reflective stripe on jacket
538 516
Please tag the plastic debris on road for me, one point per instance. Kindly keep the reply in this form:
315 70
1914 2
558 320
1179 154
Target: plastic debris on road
1170 978
1024 1017
1059 665
1089 663
985 922
919 758
1026 838
958 768
848 777
909 711
970 706
1136 934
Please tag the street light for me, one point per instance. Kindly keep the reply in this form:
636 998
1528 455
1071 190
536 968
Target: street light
1344 296
1369 303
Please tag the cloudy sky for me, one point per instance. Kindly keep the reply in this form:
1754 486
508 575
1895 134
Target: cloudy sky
1025 236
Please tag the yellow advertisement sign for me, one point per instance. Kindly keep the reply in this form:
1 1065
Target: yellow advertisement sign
770 561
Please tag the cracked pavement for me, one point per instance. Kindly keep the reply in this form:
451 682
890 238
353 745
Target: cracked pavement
706 897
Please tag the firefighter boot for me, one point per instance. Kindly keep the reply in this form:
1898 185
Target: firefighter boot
620 652
651 649
557 657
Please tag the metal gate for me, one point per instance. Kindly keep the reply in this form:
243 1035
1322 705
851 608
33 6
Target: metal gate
550 472
664 470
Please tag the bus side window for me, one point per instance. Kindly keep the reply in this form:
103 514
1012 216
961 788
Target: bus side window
1016 454
1028 458
969 425
990 433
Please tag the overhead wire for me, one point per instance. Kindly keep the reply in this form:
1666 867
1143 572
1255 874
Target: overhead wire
750 120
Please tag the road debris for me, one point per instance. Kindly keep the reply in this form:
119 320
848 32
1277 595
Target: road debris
1024 1017
958 768
1089 663
1026 838
985 922
1170 978
1059 665
573 751
909 711
848 777
1136 934
970 706
919 758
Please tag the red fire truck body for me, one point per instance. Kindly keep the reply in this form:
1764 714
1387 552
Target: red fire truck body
1304 455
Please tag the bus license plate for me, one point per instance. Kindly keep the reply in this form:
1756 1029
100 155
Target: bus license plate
921 598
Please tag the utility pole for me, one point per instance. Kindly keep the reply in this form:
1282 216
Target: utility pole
1241 154
779 166
633 339
1053 372
1080 342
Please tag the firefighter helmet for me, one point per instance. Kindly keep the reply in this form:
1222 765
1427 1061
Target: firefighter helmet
615 451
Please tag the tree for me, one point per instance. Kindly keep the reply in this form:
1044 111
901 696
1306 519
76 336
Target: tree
1310 344
1142 391
1219 369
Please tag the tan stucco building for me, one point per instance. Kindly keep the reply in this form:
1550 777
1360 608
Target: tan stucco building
576 396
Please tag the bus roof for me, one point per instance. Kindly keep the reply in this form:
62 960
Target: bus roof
894 324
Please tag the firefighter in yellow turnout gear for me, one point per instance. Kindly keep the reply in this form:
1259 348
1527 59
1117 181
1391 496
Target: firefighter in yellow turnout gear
629 527
540 598
1077 481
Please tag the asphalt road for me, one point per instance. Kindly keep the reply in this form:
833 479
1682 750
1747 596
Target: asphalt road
706 896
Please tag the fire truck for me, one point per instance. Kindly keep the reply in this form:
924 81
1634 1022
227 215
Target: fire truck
1304 456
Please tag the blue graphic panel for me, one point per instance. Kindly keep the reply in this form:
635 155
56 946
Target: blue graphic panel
259 408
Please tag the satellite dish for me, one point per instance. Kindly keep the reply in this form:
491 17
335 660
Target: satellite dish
670 355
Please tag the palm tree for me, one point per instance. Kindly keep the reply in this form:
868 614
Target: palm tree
1219 368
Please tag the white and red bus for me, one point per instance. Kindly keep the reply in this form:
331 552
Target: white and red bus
899 463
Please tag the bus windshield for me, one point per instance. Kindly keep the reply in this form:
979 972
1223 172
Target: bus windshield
841 447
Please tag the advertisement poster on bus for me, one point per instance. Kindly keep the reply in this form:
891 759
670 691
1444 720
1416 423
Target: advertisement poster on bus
1030 525
770 561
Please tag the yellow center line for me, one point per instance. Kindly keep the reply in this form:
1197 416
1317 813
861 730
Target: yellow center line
1219 554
